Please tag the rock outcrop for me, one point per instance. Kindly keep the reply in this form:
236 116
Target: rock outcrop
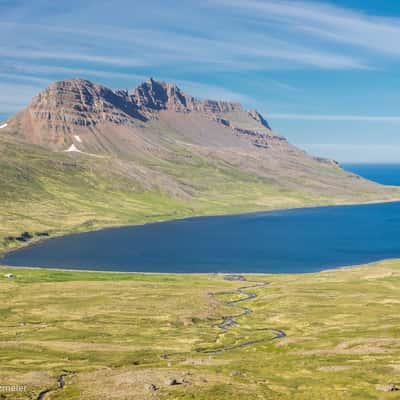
83 103
387 388
156 130
71 115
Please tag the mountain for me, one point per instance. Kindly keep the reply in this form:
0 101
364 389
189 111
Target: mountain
82 156
97 120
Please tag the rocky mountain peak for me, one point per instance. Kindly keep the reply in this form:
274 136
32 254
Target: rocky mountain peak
69 108
160 95
81 102
155 95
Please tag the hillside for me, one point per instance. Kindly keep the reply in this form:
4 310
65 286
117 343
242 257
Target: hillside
82 156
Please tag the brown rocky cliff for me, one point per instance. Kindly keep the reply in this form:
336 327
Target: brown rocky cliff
93 118
81 102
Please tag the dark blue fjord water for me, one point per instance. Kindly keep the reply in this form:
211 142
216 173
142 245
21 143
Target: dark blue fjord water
303 240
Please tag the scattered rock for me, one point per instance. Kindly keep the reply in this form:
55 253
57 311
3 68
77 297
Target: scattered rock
238 373
234 278
61 381
387 388
151 387
24 237
40 234
172 382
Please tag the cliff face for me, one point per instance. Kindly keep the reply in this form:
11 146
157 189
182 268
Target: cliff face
82 103
71 108
157 129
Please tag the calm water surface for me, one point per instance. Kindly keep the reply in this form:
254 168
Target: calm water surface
303 240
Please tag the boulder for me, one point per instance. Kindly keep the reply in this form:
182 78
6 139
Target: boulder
172 382
387 388
151 387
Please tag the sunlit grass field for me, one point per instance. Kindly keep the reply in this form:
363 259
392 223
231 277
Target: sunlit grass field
113 334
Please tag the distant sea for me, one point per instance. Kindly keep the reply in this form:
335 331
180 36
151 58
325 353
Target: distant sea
386 174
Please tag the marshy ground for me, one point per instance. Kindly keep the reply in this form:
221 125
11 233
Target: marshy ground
89 335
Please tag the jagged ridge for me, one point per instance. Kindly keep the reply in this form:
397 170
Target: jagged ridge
68 114
81 102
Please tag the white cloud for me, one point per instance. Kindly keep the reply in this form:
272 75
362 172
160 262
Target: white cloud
71 56
325 22
327 117
68 72
233 48
232 35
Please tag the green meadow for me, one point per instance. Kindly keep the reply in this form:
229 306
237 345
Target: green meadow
112 335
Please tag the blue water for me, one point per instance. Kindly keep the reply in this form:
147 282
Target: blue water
386 174
303 240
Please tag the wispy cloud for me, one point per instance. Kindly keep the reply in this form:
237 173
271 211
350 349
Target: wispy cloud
26 78
257 35
324 21
15 96
196 89
75 72
71 56
234 48
327 117
288 55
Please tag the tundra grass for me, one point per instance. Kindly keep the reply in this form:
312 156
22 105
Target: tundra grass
112 334
45 193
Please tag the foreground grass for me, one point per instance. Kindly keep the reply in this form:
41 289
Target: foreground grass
114 333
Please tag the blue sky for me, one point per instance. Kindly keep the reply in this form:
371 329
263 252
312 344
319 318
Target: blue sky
325 74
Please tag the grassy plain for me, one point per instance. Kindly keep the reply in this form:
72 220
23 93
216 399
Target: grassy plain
112 334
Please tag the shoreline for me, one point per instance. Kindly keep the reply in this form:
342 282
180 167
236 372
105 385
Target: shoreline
37 240
202 274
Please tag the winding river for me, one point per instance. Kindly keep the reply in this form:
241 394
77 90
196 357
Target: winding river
231 321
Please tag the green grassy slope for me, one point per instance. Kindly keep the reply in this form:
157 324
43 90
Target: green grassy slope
113 334
49 192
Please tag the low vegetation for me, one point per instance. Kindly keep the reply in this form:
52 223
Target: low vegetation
48 193
51 193
138 336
